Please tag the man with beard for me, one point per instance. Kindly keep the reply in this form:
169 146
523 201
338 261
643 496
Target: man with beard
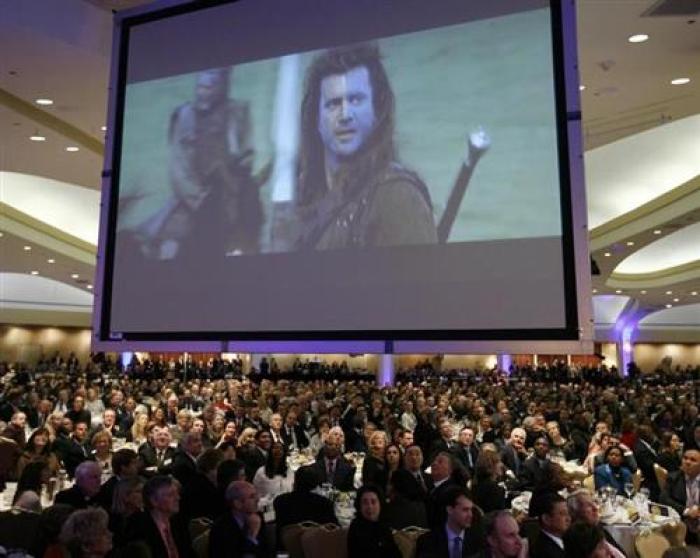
215 208
352 190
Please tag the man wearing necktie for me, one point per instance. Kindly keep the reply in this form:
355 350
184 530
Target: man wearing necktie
455 538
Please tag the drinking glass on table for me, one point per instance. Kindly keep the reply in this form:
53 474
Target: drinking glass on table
629 490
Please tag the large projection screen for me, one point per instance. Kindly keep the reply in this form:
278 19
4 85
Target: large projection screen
322 170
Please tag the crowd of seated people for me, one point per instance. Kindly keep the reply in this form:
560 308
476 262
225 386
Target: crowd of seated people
153 446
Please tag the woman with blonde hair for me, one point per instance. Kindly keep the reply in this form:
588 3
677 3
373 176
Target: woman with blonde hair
101 444
374 467
247 438
139 430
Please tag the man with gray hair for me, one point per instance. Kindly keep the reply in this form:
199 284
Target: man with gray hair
88 478
240 531
583 508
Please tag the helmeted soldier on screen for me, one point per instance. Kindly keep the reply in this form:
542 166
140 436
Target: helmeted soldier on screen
352 191
215 208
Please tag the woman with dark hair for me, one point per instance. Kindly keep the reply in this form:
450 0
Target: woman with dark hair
585 541
127 500
613 472
274 478
486 492
35 476
393 461
38 448
669 455
368 537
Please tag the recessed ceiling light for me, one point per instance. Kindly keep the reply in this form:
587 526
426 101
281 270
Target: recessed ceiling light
643 292
72 149
2 234
669 306
75 276
51 260
680 81
89 287
595 291
669 292
630 243
657 231
581 87
618 291
103 128
44 102
607 254
35 273
638 38
676 299
694 293
27 248
37 137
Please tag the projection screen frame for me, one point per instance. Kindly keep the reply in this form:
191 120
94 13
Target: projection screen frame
575 338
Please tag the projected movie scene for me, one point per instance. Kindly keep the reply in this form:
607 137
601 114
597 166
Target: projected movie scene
343 176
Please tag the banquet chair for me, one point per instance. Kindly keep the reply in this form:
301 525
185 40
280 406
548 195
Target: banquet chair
589 484
406 540
200 545
291 537
661 475
198 526
637 480
675 533
651 545
328 540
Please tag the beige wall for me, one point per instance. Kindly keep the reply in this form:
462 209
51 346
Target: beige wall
27 343
648 356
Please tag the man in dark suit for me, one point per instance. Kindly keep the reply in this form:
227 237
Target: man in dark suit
413 462
536 467
333 468
445 441
256 456
125 465
88 477
79 413
441 472
503 539
456 536
301 504
71 448
184 464
646 456
682 492
160 527
514 454
466 451
156 454
240 531
554 522
293 435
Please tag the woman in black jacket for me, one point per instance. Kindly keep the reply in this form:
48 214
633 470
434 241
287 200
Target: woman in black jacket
368 537
487 493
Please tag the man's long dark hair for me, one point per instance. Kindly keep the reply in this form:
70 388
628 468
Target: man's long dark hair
377 152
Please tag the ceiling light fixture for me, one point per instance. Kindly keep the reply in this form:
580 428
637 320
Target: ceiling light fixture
581 87
27 248
44 102
640 38
2 234
669 292
37 137
657 231
694 293
595 291
643 292
72 149
607 254
618 291
676 300
630 243
89 287
35 273
680 81
51 260
103 128
669 306
75 276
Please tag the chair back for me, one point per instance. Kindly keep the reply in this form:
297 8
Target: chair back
406 540
200 545
589 484
661 475
291 537
651 545
637 480
328 540
198 526
675 533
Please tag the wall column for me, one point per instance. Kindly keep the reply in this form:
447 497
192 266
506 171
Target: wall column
386 373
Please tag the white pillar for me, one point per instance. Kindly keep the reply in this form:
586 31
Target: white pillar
386 374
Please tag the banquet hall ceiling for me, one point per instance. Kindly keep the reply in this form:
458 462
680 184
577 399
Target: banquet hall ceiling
641 133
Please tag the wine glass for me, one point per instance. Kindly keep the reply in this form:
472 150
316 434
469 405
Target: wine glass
629 490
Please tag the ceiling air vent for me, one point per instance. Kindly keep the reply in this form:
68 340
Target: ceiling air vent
664 8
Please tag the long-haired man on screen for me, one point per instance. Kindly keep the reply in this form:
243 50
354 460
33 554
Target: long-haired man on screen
352 191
